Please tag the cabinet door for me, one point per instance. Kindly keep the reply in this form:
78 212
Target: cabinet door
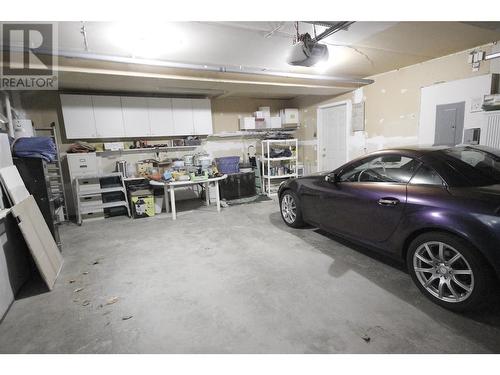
202 116
135 117
108 116
183 116
79 121
160 116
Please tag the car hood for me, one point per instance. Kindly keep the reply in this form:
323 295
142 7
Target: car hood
316 174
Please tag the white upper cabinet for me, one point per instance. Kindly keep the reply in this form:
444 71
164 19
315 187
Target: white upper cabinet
108 116
78 116
135 116
99 116
202 116
183 116
160 116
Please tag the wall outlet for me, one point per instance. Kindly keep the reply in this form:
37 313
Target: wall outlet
475 104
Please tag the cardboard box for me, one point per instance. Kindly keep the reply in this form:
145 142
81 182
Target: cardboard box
266 111
247 123
273 122
143 204
289 116
258 114
114 146
260 124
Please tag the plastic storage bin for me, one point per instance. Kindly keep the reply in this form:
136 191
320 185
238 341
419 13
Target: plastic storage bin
228 164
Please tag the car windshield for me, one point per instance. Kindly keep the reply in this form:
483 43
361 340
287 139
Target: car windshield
386 168
479 167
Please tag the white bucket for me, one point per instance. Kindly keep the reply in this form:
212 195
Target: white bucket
158 204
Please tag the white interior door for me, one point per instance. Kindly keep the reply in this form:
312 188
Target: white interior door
332 136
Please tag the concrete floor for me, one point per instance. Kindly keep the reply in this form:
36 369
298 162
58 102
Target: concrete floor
235 282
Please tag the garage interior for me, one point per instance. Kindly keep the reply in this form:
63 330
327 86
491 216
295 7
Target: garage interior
206 264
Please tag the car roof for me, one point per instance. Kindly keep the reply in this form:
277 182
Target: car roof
415 151
420 150
444 164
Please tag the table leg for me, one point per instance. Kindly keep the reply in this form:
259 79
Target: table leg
217 195
166 198
172 203
207 195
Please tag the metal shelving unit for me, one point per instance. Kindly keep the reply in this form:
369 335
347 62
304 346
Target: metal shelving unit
89 196
270 165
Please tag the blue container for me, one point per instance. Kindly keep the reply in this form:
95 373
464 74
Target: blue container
228 164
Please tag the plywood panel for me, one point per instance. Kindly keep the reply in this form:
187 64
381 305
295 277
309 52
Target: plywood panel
13 184
5 155
39 240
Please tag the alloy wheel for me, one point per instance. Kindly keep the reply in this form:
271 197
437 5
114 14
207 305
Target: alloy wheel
443 271
288 208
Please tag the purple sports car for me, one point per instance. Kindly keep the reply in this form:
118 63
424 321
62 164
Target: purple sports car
437 208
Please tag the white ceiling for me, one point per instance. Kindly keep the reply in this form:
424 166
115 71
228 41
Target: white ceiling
365 49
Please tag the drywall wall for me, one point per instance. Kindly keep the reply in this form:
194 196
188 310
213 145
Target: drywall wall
226 112
495 63
392 105
469 90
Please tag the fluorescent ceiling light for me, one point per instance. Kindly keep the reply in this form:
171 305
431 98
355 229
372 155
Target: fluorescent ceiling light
147 40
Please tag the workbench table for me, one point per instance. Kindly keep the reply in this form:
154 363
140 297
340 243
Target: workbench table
169 186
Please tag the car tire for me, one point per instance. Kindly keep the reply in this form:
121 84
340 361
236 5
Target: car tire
290 209
461 278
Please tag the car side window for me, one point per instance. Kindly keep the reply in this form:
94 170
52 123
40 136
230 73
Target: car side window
386 168
426 176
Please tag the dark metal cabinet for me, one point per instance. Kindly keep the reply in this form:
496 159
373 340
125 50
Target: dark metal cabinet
35 175
238 185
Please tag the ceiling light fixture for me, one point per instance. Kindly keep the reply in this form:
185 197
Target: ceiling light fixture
147 40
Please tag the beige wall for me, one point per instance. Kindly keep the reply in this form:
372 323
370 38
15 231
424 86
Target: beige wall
227 111
392 109
392 104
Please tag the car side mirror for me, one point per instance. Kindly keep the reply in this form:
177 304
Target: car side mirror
332 178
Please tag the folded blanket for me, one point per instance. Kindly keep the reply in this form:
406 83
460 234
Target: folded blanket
35 147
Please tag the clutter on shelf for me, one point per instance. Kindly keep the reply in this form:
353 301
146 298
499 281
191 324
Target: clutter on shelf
263 119
194 167
79 147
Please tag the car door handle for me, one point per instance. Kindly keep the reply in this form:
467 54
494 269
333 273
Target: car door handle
388 201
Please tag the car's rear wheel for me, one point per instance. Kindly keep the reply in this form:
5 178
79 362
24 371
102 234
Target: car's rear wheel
290 209
449 271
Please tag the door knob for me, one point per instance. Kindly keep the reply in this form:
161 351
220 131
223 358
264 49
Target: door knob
388 201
